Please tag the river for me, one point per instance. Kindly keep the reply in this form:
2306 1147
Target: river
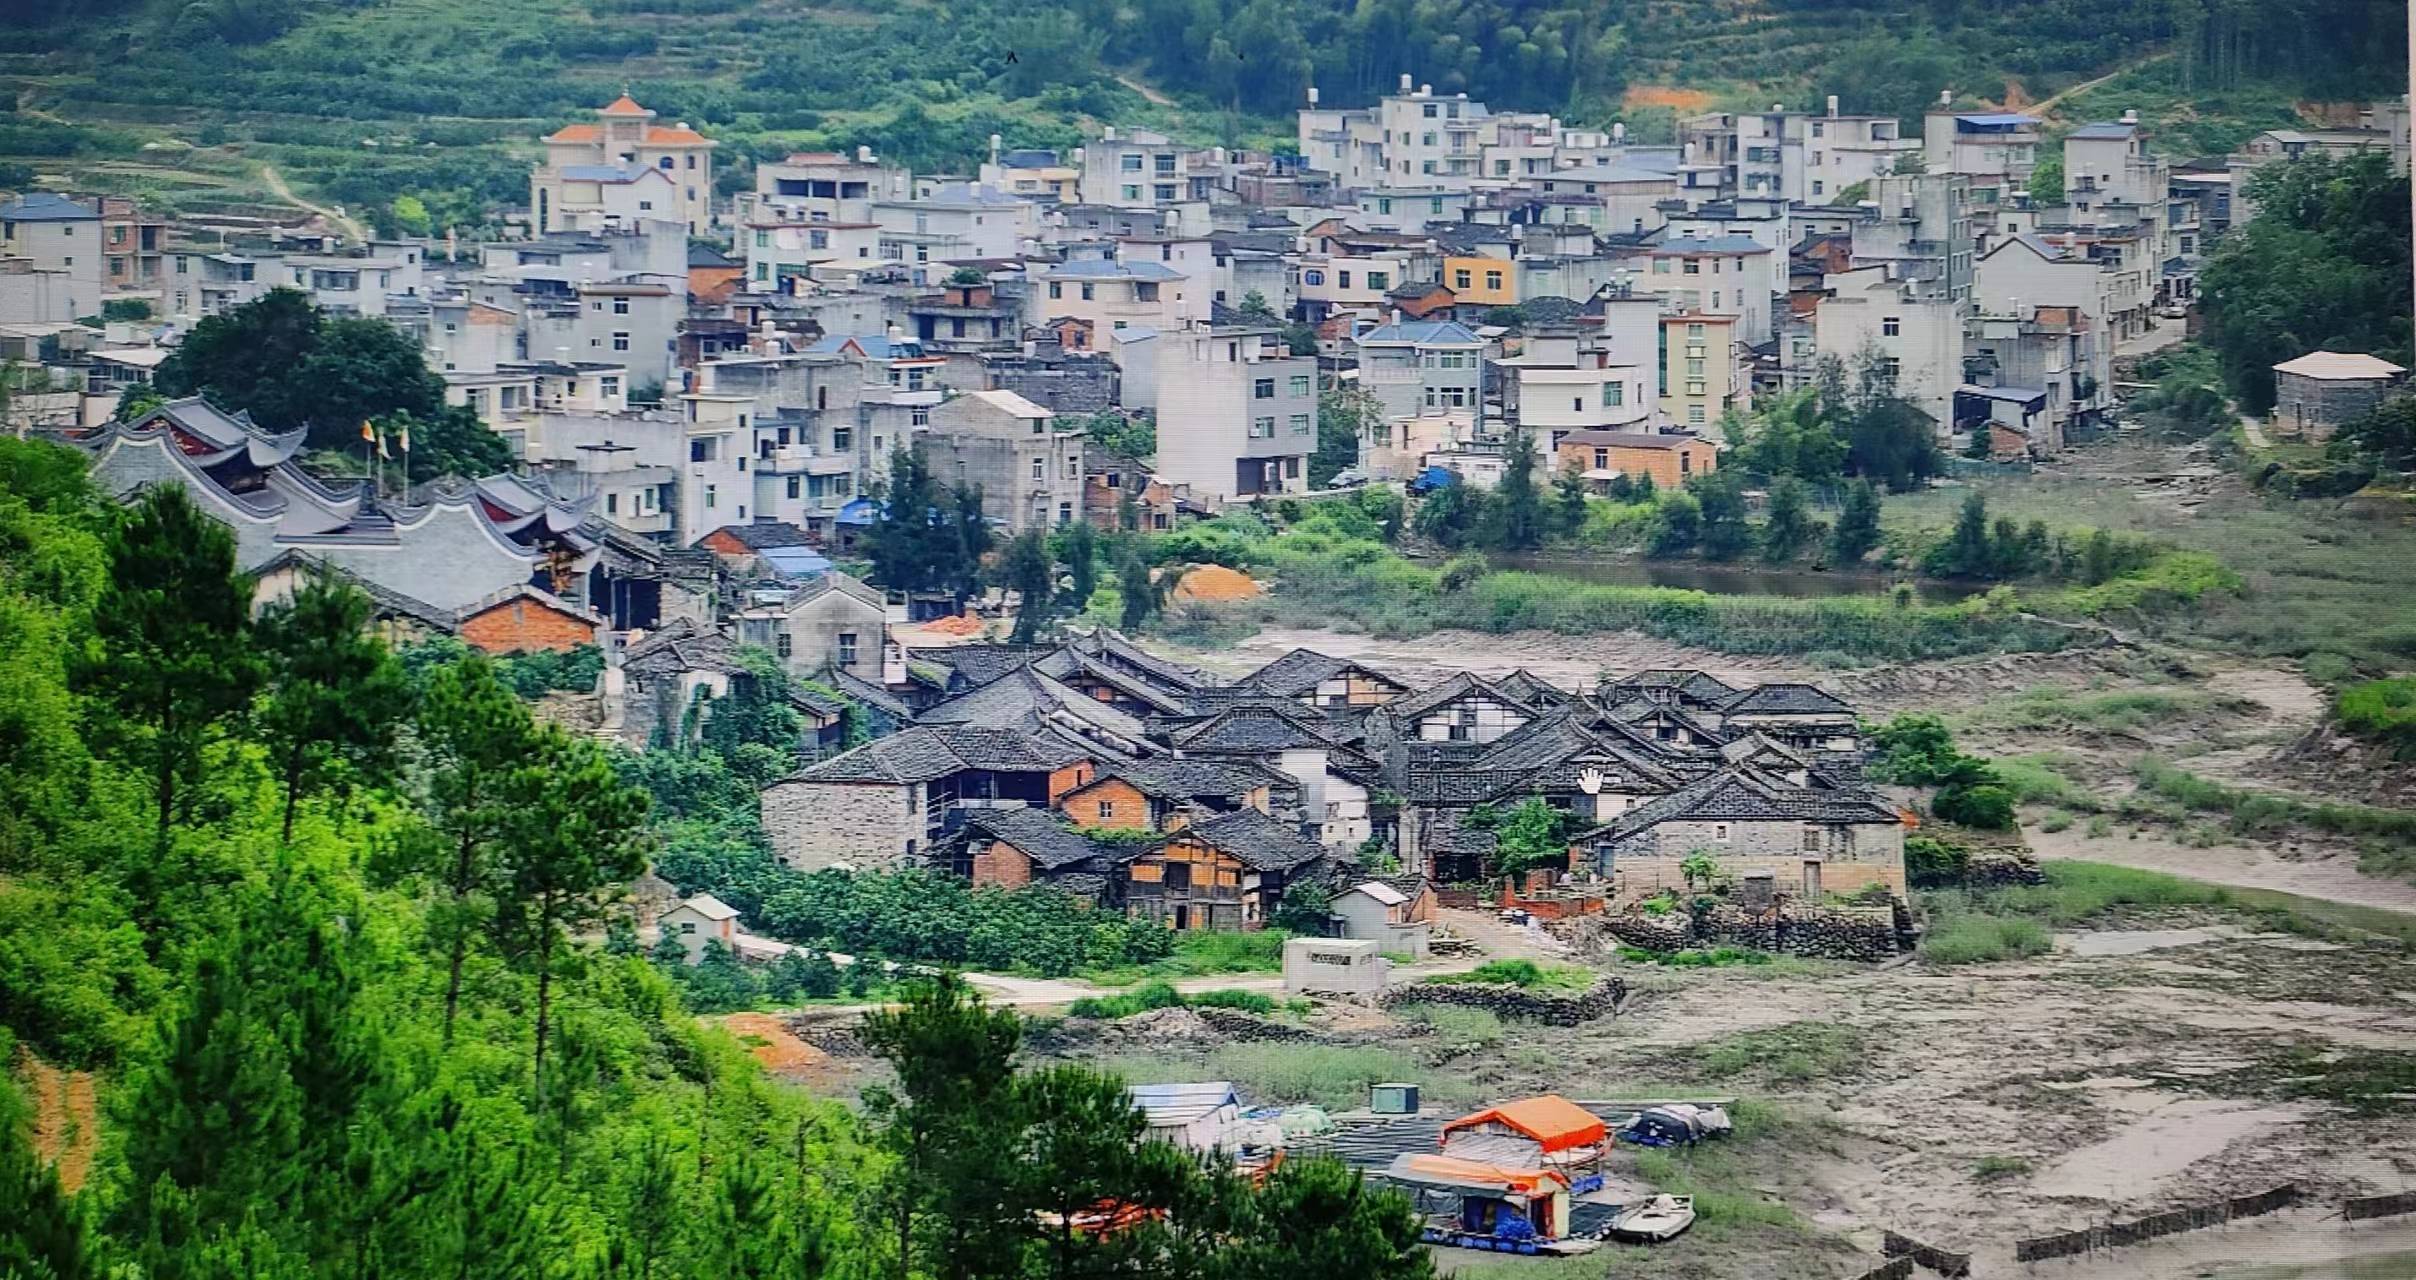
1731 579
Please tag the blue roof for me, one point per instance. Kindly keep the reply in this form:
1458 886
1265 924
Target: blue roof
1996 120
1423 333
44 206
1102 269
795 562
859 511
875 346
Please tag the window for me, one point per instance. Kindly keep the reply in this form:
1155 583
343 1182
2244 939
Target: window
1164 162
1426 140
1040 469
1493 280
1065 513
663 163
1090 292
1602 459
919 417
793 490
1686 462
1694 418
1719 832
1429 113
1300 424
1379 280
1891 366
620 306
1693 332
1263 389
1130 163
620 341
1694 368
1891 326
708 497
1695 388
783 644
1292 468
1614 395
1056 290
1818 187
1164 191
1107 811
1132 192
612 504
608 387
1342 279
1692 267
1577 404
847 648
1312 277
1300 384
1262 428
1459 281
1660 266
700 450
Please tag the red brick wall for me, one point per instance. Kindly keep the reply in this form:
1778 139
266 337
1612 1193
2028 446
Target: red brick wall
1070 777
721 542
523 625
1002 864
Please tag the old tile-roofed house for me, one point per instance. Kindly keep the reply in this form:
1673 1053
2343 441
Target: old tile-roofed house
1165 792
1011 848
1463 709
1228 872
1668 684
1832 839
1800 715
1027 701
1335 781
893 797
1113 684
1322 681
829 622
648 693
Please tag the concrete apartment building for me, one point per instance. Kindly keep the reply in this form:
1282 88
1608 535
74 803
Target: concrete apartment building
780 256
954 222
1113 294
1996 149
1725 275
1029 471
592 171
60 241
1146 170
1567 379
1701 377
1237 414
823 186
1418 368
1914 334
1793 155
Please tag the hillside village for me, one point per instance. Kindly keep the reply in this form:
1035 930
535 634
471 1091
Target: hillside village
874 527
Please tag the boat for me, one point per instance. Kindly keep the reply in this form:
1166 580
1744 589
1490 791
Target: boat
1655 1220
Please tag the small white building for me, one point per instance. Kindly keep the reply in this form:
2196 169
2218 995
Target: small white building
1335 966
1373 911
701 919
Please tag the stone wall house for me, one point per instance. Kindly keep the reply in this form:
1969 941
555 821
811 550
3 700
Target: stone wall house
889 800
1810 839
2316 393
1027 466
831 622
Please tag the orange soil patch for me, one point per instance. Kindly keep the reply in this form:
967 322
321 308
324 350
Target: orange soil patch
1214 583
964 624
2016 97
1662 95
67 1117
780 1052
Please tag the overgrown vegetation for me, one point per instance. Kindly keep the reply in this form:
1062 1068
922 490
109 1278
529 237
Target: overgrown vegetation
1160 995
1526 975
2382 710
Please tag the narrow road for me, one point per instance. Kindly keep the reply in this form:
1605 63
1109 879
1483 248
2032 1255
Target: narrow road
275 182
2050 102
1155 98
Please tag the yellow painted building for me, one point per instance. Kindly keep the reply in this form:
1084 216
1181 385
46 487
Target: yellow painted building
1699 369
1482 282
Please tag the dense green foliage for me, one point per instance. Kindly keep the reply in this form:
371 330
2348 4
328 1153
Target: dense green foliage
930 536
2322 266
350 1022
2383 710
1918 751
289 364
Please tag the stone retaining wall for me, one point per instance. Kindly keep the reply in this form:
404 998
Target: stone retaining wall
1551 1008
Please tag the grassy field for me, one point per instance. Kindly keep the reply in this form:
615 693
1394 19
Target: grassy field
2317 580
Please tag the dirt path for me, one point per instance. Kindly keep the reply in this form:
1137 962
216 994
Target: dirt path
275 182
1152 96
2307 870
2052 101
67 1118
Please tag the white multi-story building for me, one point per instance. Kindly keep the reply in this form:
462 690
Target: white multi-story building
1996 148
1112 294
1793 155
823 186
60 242
1913 334
1568 380
1423 368
1237 413
1726 275
954 222
780 255
591 177
1143 169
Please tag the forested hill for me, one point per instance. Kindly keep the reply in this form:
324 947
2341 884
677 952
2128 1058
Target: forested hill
346 95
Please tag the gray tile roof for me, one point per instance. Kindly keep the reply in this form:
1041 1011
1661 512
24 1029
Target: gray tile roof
1251 729
1040 834
1745 794
1693 685
45 206
1182 779
1411 706
981 663
922 753
1261 842
1786 699
1301 671
1423 333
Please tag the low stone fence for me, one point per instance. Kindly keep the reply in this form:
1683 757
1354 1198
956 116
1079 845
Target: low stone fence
1236 1024
2115 1235
1829 933
1552 1008
2389 1206
1893 1269
1907 1250
1987 868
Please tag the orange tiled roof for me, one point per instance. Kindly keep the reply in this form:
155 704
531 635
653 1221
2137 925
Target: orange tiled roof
666 136
576 133
624 106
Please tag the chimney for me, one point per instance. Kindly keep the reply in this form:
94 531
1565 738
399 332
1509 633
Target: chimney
1832 106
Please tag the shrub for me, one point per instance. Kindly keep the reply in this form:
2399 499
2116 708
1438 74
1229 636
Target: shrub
1973 939
1124 1004
2382 710
1524 974
1987 806
1229 998
1457 1024
1931 863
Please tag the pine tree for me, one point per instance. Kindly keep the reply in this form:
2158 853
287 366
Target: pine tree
1079 550
954 1061
174 668
42 1228
570 832
1138 594
1570 499
477 736
336 694
1517 505
1726 534
1857 529
1965 553
1024 568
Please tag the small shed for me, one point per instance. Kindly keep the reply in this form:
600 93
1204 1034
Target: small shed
699 920
1375 911
1196 1117
2316 393
1485 1202
1543 1131
1335 966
